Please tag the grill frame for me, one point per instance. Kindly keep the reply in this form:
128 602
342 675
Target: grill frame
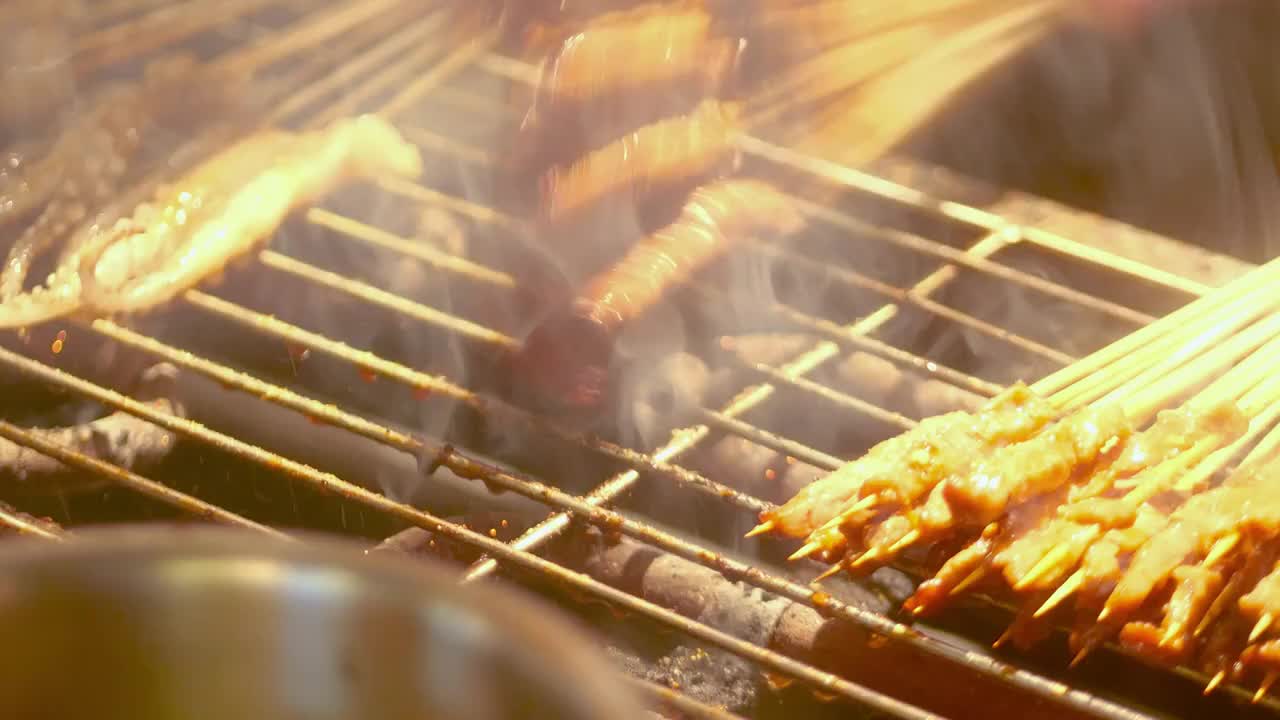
430 68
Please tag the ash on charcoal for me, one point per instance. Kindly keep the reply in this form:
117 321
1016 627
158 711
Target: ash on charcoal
714 677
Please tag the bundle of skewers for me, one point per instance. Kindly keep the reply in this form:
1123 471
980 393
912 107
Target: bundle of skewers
1129 496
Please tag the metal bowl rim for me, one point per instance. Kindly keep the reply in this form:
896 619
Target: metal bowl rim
527 622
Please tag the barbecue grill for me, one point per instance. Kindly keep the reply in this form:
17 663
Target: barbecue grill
336 382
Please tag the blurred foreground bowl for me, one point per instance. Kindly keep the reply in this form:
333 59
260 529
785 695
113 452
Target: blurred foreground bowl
169 623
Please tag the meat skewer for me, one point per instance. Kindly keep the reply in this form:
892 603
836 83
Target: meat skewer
650 48
1040 465
1191 327
85 165
674 150
566 357
230 203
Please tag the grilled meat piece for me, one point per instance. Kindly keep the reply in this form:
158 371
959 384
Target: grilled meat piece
1041 464
1192 531
629 57
565 360
230 203
84 166
1263 599
905 467
671 151
1067 531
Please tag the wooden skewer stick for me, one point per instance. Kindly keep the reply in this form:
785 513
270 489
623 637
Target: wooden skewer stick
1263 451
1226 597
840 69
1052 559
1178 346
1142 401
808 549
1215 681
1247 379
1258 278
867 558
905 542
840 22
878 115
831 571
1221 548
1262 626
970 580
1261 422
1064 591
1265 687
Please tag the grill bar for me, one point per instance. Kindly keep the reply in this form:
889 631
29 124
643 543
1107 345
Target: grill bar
133 481
746 401
23 524
849 277
422 382
856 179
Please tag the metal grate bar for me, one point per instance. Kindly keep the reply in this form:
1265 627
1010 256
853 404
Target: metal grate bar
382 298
333 485
689 707
133 481
423 382
749 399
487 215
23 524
733 569
850 277
852 178
157 29
906 297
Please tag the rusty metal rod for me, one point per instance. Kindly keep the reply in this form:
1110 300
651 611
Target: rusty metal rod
872 622
750 398
333 485
23 524
133 481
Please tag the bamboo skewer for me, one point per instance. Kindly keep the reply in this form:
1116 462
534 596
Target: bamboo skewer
1210 305
1183 343
1142 404
1261 404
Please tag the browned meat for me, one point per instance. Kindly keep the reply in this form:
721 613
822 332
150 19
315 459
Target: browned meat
565 361
655 49
906 467
1043 463
1150 460
1192 531
642 163
1263 600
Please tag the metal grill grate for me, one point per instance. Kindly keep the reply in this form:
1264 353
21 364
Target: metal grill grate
383 57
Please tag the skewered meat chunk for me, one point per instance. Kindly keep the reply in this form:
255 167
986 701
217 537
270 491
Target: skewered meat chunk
621 54
1192 531
229 204
83 167
1038 465
671 151
1264 598
567 357
1068 531
911 463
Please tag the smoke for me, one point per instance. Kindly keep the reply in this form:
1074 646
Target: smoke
1169 127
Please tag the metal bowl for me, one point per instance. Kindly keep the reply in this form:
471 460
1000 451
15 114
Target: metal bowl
167 623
